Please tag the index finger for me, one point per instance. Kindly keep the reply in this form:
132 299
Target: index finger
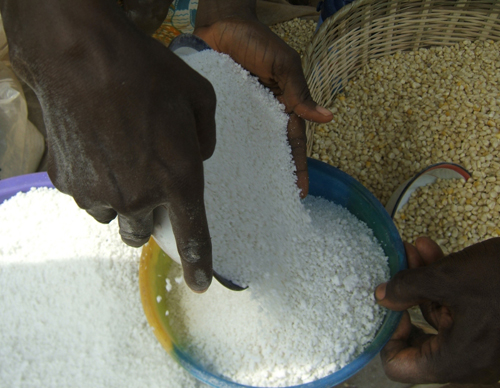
186 210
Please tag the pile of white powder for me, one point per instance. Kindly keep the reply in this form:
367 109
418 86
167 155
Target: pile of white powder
70 309
311 266
70 304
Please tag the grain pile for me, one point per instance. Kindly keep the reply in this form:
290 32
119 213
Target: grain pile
404 112
297 33
454 213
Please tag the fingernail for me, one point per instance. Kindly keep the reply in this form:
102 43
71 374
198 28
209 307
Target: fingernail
201 278
380 291
323 111
200 282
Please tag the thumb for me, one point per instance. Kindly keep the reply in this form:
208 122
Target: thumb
309 110
297 97
412 287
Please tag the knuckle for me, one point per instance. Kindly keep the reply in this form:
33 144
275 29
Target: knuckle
128 206
83 201
419 284
134 202
135 232
393 369
390 372
209 92
305 93
104 216
297 138
135 236
134 240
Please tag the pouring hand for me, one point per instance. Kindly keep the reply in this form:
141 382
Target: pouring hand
128 123
235 30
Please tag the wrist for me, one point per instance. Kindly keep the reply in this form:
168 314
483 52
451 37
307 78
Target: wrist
211 11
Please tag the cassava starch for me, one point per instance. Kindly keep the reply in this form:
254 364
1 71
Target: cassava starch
70 310
311 267
71 313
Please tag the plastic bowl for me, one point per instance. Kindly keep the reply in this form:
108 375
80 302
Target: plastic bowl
324 181
23 183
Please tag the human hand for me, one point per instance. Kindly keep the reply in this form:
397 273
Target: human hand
459 295
235 30
128 123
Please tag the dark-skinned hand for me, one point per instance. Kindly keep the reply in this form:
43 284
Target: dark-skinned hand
234 30
459 295
128 123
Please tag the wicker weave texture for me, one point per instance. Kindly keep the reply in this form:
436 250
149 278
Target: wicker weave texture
369 29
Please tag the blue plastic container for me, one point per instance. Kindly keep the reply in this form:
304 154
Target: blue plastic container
328 7
23 183
327 182
324 181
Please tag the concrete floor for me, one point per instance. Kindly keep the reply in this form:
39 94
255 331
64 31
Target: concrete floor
371 376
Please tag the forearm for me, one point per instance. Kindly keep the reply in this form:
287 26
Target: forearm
35 23
210 11
43 35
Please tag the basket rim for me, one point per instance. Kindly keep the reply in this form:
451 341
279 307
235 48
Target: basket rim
329 31
338 16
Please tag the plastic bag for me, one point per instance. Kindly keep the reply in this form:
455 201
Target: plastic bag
4 48
21 144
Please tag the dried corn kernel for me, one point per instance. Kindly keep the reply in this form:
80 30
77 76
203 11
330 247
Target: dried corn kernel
431 106
297 33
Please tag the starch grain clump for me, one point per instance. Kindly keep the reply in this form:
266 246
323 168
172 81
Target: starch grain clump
311 266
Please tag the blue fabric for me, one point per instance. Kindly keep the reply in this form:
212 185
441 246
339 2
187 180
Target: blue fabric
329 7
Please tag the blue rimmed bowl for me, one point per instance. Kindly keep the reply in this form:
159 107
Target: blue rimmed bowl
324 181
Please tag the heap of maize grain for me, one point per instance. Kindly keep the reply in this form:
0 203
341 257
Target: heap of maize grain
412 109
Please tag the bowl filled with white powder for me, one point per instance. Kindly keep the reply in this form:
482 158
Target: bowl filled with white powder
71 313
308 322
308 317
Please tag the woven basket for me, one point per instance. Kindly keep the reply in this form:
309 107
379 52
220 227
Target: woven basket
369 29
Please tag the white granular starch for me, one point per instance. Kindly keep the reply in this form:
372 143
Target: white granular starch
311 266
70 309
